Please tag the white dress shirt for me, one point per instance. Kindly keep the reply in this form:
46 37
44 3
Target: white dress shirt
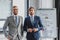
17 19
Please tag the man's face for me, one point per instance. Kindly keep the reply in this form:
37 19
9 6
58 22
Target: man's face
15 10
31 11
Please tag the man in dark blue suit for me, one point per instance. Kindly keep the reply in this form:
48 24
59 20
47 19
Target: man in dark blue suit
32 25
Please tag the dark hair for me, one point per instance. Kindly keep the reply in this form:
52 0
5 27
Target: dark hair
30 8
14 6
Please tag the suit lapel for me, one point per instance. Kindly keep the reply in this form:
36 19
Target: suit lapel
34 21
30 20
19 20
13 19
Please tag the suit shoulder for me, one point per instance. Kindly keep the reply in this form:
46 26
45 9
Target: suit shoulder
27 17
9 17
37 16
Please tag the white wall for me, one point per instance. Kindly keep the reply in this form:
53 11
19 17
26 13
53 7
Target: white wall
46 3
42 3
33 3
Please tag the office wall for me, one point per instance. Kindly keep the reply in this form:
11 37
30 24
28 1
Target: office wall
33 3
46 3
42 3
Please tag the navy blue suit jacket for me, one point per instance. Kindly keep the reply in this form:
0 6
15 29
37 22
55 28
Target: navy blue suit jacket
37 24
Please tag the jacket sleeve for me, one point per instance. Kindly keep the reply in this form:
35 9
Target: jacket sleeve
5 27
40 24
25 25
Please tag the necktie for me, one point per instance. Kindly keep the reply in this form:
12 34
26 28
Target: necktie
16 20
32 19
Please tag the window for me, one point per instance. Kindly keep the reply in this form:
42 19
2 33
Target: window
5 11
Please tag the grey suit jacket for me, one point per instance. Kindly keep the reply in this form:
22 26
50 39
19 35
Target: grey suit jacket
13 29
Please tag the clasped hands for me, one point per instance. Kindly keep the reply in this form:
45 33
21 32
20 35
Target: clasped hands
32 30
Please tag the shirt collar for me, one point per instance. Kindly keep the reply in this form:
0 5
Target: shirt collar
32 15
15 16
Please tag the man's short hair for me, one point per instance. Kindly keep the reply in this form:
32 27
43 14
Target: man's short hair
30 8
14 6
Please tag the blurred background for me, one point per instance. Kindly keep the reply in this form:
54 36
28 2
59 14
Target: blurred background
50 7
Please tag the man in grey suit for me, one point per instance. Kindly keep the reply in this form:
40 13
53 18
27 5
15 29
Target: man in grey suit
14 24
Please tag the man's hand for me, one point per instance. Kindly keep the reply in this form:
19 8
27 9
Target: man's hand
42 29
35 29
8 37
30 30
